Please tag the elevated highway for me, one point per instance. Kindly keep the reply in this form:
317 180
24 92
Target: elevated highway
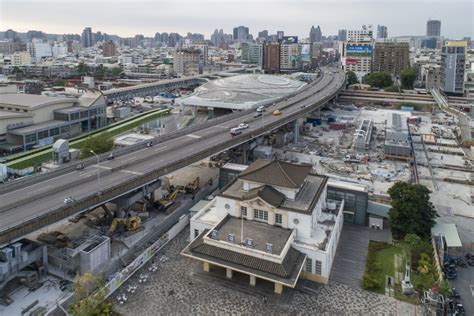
39 202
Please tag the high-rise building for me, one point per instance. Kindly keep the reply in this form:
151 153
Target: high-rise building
164 38
363 35
356 51
453 64
382 31
59 49
241 33
280 35
263 34
290 56
391 57
271 58
173 39
342 35
21 58
87 37
186 61
251 53
109 49
429 42
433 28
38 50
315 35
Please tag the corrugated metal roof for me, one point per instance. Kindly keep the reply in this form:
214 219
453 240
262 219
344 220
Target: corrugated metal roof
450 233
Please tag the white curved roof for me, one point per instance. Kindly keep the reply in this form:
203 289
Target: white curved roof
242 91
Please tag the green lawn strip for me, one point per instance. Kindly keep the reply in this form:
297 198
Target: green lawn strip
108 131
380 262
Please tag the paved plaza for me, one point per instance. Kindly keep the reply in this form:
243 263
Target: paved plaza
180 287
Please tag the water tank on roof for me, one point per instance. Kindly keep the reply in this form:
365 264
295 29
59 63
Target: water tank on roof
331 205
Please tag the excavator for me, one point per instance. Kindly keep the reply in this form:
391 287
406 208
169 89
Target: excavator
192 187
130 223
168 200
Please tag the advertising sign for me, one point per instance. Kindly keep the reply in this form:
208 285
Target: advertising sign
290 39
351 61
358 49
305 52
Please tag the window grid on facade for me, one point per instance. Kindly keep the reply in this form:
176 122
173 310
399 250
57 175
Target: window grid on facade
278 219
309 265
196 233
243 211
260 215
318 267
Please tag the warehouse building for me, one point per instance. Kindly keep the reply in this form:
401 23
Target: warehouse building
397 144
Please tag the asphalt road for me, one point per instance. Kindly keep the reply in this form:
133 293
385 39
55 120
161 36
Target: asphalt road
40 198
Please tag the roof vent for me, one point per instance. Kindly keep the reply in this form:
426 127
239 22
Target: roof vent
249 242
269 248
214 234
231 238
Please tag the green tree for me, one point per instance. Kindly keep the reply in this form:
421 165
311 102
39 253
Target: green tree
411 212
379 79
59 83
89 292
82 68
98 144
444 287
352 77
100 71
393 88
408 77
116 71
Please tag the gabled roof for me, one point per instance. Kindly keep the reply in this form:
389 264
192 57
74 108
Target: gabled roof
275 172
266 193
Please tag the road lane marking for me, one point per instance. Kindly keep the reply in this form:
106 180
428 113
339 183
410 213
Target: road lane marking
193 136
128 159
132 172
103 167
221 126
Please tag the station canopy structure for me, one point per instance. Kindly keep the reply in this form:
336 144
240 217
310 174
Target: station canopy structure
242 92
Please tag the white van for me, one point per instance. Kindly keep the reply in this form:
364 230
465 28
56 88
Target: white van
261 108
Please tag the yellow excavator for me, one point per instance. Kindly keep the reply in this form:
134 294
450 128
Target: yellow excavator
168 200
192 187
130 223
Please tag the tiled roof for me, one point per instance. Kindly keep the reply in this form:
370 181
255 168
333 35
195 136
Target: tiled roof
287 272
266 193
275 172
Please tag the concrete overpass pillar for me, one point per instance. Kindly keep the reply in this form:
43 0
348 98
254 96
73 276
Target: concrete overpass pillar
206 266
228 273
278 288
253 280
297 130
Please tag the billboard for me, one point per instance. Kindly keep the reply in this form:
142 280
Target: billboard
290 39
305 52
358 49
351 61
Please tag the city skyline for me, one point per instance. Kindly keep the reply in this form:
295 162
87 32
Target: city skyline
295 17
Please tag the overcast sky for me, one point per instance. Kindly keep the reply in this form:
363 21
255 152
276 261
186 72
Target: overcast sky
295 17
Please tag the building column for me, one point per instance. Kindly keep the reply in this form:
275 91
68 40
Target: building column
206 266
253 280
228 273
278 288
296 131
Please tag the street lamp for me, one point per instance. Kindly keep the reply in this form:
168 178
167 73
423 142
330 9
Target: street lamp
98 167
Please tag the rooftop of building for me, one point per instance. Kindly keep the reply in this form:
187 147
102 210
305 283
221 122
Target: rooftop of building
242 91
13 114
277 173
31 100
305 200
287 272
261 234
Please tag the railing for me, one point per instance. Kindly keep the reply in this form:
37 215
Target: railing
108 194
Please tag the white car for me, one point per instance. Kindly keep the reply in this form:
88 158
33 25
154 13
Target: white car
69 200
261 108
243 126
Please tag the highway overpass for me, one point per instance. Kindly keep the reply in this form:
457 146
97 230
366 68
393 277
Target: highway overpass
36 202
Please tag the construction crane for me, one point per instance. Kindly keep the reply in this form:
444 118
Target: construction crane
131 223
192 187
168 200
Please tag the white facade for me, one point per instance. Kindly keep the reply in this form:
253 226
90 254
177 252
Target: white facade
59 49
290 56
38 50
366 34
21 58
310 229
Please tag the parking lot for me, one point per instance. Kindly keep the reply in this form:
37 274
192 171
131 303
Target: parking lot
179 286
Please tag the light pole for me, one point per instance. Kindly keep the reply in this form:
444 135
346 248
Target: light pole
98 167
